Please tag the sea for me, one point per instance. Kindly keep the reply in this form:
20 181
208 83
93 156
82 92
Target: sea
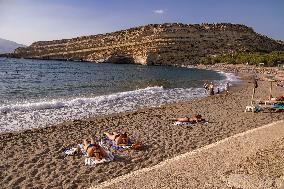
41 93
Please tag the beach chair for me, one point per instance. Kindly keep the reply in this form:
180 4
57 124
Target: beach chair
272 102
278 107
254 108
250 109
271 108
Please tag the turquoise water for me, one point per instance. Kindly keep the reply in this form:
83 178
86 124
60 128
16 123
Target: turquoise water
37 93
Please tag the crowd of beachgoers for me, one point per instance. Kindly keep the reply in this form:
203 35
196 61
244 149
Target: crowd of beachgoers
264 73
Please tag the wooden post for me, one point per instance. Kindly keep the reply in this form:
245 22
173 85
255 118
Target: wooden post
270 91
252 96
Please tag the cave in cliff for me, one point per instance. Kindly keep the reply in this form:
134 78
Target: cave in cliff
120 59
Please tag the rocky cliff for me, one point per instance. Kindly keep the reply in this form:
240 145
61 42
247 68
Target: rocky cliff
165 44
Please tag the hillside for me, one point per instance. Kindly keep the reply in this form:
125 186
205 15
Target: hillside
7 46
165 44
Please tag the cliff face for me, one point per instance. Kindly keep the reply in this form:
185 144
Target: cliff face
154 44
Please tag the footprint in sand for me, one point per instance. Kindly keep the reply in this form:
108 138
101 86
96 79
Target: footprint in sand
16 182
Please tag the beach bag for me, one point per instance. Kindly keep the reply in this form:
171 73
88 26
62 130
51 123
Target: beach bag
136 146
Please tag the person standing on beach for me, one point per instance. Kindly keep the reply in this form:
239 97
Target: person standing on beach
227 87
205 86
255 85
211 89
218 90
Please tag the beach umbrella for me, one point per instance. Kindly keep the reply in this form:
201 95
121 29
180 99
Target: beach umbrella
270 89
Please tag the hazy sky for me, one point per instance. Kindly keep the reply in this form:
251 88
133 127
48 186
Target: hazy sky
26 21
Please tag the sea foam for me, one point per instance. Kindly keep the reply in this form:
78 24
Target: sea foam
46 113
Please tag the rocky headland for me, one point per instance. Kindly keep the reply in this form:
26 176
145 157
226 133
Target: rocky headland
161 44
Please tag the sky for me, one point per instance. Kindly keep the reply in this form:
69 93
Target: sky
27 21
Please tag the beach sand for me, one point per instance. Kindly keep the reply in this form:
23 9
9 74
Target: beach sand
253 159
33 158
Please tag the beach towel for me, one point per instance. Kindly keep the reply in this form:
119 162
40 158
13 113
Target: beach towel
278 106
90 162
70 152
182 123
113 145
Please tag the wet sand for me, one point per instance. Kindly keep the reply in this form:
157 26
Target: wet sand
33 158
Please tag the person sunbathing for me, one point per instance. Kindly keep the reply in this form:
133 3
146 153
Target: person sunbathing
94 150
120 139
193 119
280 85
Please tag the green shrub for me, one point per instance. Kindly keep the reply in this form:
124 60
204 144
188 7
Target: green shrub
270 59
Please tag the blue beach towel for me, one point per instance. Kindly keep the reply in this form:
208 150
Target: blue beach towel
278 106
89 161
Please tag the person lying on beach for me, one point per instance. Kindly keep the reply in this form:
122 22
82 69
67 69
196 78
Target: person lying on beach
94 150
280 85
193 119
120 139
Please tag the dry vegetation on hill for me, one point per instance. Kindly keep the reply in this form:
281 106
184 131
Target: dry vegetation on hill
154 44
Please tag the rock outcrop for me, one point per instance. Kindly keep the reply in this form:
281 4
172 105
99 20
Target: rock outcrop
165 44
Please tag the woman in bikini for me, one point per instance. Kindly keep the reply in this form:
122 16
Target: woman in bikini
94 150
120 139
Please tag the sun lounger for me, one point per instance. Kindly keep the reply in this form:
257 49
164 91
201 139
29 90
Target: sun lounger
272 102
254 108
258 101
278 106
272 107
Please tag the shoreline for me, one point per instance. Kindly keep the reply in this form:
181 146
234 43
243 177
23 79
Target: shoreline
233 89
264 73
34 157
32 115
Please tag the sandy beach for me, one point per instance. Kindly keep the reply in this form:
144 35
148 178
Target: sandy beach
33 158
253 159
